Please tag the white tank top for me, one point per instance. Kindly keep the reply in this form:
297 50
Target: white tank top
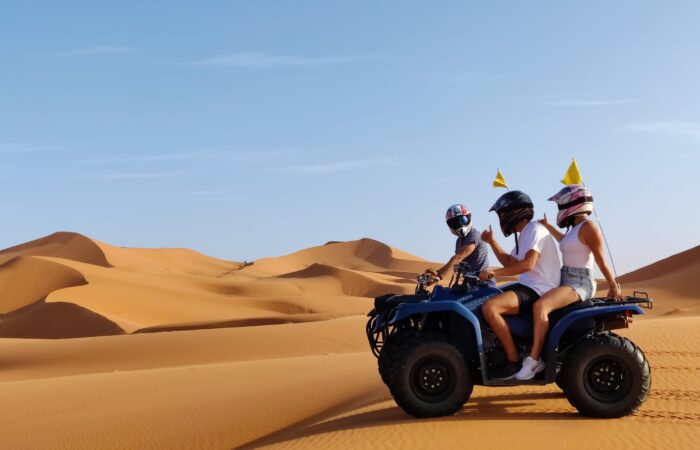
575 253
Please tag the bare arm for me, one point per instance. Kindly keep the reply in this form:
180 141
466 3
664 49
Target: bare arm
504 258
558 235
459 256
526 265
591 236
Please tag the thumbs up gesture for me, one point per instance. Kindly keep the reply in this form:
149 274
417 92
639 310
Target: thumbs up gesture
487 235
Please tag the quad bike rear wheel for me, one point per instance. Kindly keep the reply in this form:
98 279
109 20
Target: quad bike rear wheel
606 376
430 377
560 381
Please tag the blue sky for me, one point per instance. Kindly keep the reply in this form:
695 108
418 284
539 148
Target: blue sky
246 129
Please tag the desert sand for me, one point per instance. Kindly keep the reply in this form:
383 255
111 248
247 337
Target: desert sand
111 347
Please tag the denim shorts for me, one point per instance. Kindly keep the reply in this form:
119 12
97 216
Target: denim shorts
580 280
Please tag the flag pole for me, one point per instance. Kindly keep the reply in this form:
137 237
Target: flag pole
605 239
595 212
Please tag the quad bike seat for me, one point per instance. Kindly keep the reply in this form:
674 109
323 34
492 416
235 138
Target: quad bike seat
522 325
556 316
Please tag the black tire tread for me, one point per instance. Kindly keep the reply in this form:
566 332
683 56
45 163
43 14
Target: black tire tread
396 366
581 353
390 352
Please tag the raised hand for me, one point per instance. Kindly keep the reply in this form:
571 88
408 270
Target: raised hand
487 235
544 221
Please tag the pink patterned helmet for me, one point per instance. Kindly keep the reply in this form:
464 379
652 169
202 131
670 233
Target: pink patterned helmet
573 199
459 219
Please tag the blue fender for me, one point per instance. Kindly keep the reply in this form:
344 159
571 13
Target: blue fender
556 333
406 310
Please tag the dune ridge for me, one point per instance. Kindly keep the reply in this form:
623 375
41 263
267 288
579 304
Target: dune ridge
124 290
170 348
672 282
688 260
62 244
27 279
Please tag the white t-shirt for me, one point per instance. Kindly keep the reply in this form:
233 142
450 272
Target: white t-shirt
547 272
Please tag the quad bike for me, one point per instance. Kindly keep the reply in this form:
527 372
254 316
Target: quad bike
433 347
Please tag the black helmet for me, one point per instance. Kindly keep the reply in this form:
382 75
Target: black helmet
513 207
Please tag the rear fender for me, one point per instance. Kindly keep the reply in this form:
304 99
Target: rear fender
566 322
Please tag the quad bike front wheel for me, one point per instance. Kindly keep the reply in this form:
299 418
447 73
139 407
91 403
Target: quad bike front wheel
390 352
606 376
430 377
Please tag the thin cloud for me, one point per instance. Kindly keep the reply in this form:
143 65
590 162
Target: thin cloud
334 167
452 76
25 148
553 83
264 60
576 99
210 196
127 176
97 50
675 129
456 77
247 158
594 102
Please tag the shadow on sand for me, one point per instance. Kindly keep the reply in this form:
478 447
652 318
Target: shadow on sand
488 407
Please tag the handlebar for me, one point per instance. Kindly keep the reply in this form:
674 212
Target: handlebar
462 270
423 278
470 277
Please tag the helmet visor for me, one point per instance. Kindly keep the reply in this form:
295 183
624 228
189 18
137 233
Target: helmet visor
458 222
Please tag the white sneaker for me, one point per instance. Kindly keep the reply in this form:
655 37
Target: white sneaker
530 369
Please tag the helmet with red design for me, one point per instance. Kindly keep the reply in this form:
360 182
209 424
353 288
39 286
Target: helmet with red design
459 219
572 200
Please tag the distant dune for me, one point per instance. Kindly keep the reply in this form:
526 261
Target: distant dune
106 289
673 281
65 245
112 347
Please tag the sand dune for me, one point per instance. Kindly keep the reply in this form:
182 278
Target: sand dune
56 320
672 281
173 349
130 289
364 255
25 280
72 246
683 262
181 260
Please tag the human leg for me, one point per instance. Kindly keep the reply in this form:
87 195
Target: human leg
552 300
493 310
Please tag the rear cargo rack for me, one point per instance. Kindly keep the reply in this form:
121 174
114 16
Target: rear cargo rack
640 298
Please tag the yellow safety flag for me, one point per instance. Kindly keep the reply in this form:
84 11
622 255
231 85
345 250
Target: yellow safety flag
572 176
499 181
